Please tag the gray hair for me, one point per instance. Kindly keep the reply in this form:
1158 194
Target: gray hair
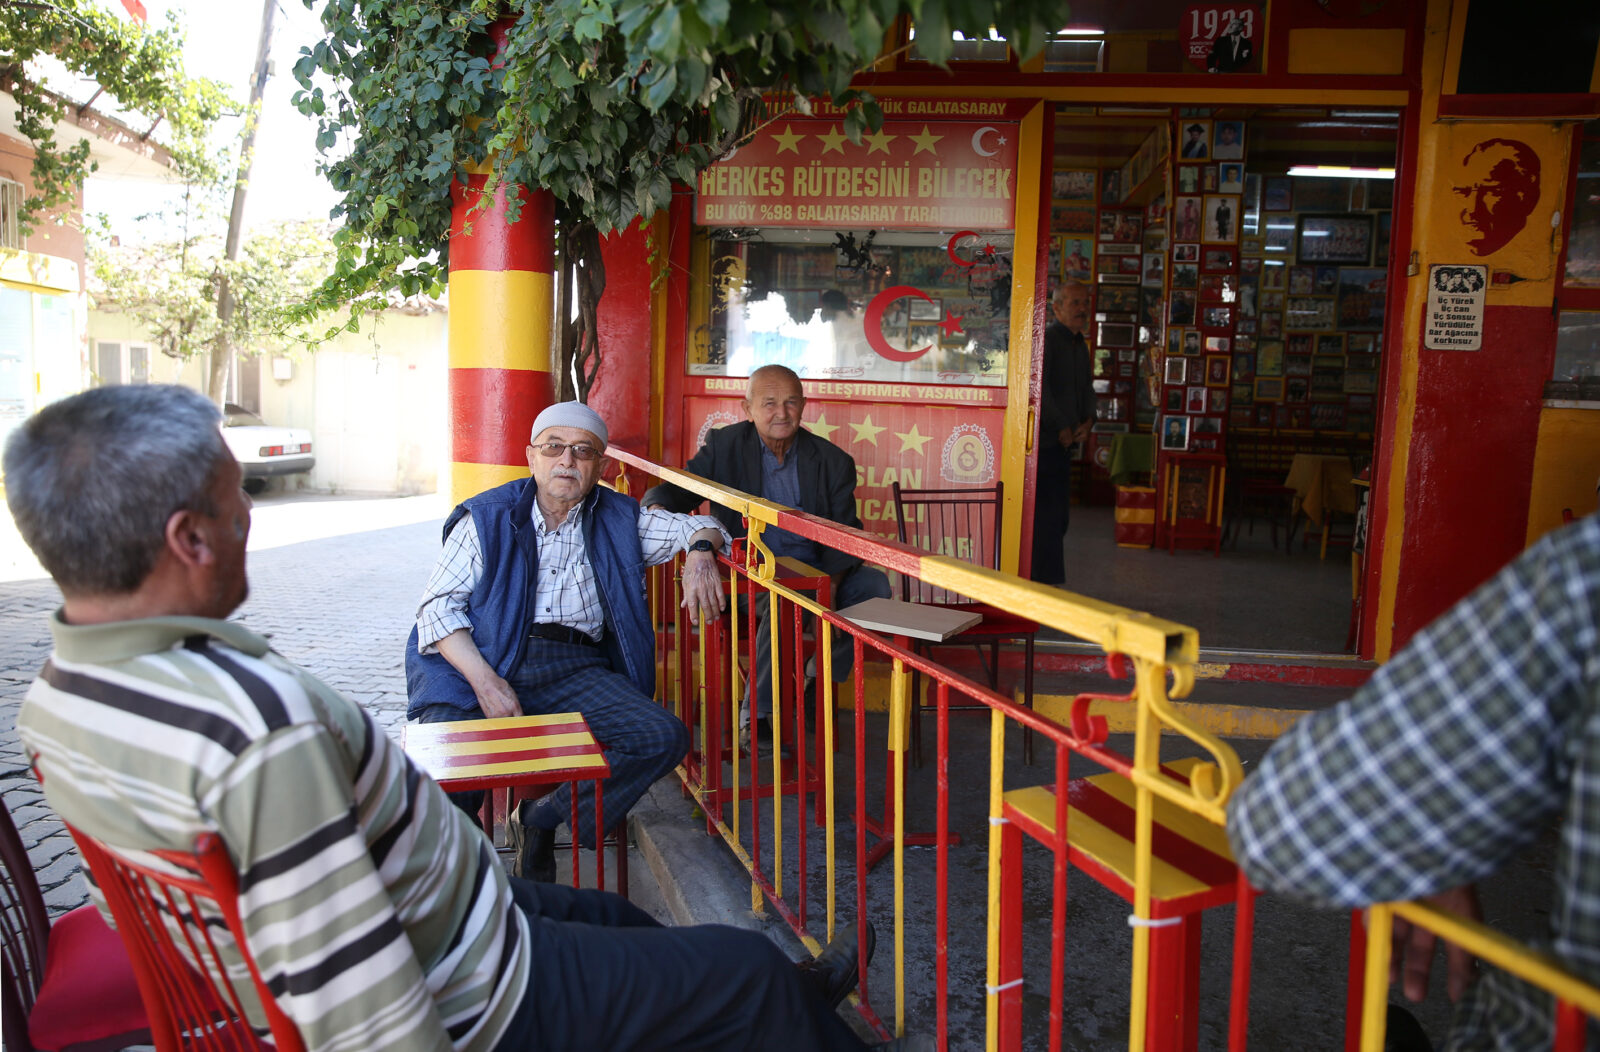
92 480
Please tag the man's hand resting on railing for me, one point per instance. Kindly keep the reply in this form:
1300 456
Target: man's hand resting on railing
1411 948
702 585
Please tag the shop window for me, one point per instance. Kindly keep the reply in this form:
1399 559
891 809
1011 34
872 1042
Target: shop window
138 365
1576 376
10 207
107 364
873 305
1583 244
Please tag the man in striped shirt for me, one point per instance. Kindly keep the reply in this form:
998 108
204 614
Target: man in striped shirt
375 909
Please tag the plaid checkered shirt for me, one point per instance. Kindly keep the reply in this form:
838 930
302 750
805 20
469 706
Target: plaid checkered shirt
1467 746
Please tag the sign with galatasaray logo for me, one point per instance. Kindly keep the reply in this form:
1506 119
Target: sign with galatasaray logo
922 170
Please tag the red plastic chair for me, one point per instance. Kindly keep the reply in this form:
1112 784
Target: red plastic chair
67 985
963 523
189 1008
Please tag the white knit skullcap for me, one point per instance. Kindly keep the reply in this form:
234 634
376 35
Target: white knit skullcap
569 414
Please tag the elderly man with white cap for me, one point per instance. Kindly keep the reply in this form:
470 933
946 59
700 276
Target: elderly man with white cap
537 605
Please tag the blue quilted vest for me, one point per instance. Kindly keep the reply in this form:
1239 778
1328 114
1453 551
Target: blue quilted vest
499 607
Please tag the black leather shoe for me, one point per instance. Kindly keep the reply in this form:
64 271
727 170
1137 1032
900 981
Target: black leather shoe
533 852
834 971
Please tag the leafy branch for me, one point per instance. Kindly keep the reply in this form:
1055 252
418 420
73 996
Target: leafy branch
607 104
139 67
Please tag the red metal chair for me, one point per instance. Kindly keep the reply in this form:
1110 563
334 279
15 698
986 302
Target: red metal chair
67 985
964 523
165 910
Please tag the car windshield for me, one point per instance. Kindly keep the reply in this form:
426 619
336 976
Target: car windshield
239 416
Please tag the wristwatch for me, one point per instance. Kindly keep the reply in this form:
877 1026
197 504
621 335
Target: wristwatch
702 545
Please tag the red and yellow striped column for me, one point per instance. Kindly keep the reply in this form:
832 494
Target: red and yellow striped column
502 294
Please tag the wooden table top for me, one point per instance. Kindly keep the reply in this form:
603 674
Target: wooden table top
514 750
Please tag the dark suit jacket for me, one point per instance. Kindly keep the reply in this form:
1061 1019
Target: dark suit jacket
732 457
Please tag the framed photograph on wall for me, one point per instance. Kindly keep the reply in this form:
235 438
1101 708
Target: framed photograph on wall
1229 144
1195 400
1115 334
1220 220
1217 260
1175 433
1277 194
1176 370
1269 389
1310 313
1361 298
1217 366
1334 239
1174 403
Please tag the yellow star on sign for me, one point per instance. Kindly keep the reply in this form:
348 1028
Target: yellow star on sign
788 139
925 141
833 140
879 141
911 440
821 428
866 431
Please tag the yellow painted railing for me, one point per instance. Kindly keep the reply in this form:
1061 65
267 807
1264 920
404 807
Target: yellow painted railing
745 804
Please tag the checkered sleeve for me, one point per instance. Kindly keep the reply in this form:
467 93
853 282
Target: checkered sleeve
1449 760
663 534
444 598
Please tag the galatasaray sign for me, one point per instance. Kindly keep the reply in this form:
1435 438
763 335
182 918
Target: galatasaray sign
909 175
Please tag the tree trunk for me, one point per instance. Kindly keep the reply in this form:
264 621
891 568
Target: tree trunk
580 343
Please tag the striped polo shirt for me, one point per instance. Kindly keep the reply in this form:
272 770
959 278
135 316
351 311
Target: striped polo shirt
376 910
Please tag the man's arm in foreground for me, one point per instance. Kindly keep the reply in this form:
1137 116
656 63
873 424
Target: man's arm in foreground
1448 761
316 913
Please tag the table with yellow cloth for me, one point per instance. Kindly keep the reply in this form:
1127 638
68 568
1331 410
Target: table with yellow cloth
1321 484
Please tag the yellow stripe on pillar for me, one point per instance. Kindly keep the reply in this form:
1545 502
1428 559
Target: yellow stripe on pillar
468 480
501 319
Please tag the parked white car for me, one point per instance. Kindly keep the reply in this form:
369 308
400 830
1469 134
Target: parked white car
263 450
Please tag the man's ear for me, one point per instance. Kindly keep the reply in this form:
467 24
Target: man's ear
188 539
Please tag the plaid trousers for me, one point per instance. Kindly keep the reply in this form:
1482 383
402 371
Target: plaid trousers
642 740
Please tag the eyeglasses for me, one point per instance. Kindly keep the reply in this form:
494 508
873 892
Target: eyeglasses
552 450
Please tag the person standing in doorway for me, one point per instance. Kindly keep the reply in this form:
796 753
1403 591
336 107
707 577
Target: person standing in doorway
1066 415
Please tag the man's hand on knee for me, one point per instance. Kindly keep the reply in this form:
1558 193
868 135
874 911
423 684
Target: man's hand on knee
495 696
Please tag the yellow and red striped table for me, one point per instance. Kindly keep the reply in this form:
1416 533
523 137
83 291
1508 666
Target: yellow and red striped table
513 751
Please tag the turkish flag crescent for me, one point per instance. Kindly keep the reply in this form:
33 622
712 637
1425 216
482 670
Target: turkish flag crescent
134 8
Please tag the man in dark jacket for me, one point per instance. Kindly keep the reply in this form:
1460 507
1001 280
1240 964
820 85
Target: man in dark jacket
535 613
770 455
1066 415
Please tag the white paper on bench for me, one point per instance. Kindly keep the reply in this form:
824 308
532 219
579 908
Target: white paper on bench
917 620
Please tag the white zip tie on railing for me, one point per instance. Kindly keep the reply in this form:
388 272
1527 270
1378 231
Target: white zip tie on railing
1003 987
1136 921
1001 821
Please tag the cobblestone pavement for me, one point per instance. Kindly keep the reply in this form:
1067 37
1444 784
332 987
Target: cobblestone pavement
334 585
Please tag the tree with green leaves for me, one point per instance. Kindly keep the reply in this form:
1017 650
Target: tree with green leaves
170 286
605 103
140 67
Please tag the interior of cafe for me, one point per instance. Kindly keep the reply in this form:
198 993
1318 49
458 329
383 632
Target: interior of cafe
1238 258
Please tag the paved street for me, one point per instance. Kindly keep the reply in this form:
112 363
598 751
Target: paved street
333 583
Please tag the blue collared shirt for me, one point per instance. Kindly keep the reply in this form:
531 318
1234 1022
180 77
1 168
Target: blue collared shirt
780 483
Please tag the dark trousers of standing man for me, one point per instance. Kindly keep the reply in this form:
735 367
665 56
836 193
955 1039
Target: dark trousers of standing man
1052 504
